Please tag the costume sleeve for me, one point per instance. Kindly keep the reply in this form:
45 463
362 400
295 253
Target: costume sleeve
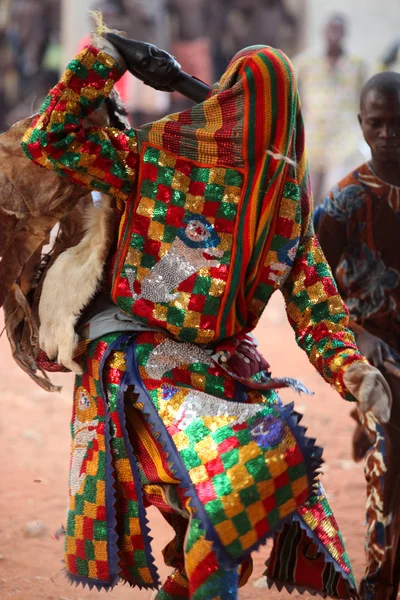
315 309
100 158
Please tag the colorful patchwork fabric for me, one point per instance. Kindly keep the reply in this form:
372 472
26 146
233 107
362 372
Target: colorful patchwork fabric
215 202
107 536
298 563
243 462
176 248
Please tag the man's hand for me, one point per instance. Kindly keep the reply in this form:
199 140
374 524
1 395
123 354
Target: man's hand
371 389
374 349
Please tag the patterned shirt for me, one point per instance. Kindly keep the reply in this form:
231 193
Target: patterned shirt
359 229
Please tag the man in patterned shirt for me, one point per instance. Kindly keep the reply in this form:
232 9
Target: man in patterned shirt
358 226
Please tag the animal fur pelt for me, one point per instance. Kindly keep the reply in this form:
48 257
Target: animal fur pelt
71 283
33 204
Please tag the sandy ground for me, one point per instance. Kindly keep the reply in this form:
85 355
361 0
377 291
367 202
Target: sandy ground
34 431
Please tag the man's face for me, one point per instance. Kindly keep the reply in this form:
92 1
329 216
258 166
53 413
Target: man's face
380 123
334 33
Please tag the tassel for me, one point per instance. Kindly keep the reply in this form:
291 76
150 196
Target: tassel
101 27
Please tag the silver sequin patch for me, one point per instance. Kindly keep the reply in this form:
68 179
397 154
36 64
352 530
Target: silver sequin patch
170 355
180 262
200 404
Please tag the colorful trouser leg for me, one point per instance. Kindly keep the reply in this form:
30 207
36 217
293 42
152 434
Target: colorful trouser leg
197 573
220 463
382 472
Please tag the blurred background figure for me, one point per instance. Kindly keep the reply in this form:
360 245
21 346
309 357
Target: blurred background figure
391 59
30 55
330 85
147 20
237 24
191 42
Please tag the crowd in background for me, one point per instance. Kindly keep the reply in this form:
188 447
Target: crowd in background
203 35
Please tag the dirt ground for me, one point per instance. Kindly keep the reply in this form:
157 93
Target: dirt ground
34 430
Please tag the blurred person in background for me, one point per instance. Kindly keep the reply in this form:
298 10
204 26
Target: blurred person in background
358 226
147 20
191 42
391 59
31 29
330 85
236 24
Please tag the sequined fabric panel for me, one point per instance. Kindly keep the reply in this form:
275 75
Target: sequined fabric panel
247 468
99 158
179 254
103 517
318 515
86 554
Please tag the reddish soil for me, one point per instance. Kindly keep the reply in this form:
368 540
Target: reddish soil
34 470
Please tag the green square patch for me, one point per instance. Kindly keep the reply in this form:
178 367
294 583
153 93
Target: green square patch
222 485
137 242
149 189
297 472
202 285
82 567
132 508
176 316
125 304
190 458
100 531
200 174
302 300
230 459
258 468
214 192
249 495
79 504
244 437
151 156
273 517
189 334
169 234
89 550
235 548
196 431
160 210
233 178
283 494
242 523
140 559
101 69
215 509
165 176
178 198
211 305
148 261
227 210
320 312
222 434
